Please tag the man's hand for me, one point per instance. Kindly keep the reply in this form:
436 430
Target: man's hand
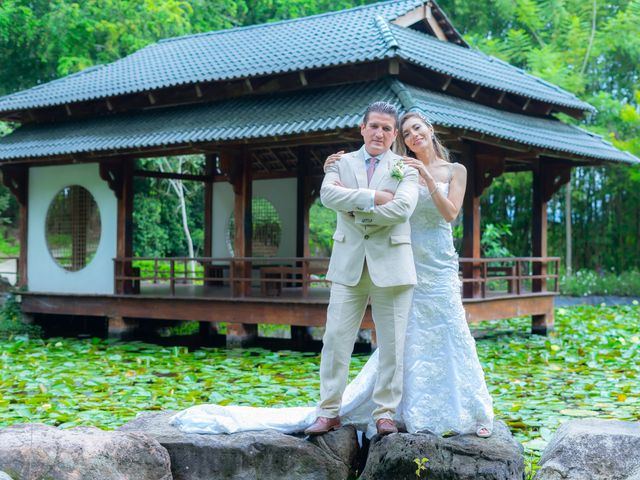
383 196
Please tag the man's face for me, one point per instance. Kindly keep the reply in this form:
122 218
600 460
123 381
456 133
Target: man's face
378 133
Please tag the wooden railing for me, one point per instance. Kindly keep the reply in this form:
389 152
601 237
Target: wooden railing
509 276
240 275
271 277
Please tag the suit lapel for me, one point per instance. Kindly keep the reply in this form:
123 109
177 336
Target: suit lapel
382 170
358 166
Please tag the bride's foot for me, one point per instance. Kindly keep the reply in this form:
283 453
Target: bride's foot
483 432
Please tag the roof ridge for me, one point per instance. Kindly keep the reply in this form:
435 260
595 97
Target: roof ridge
290 20
387 35
402 92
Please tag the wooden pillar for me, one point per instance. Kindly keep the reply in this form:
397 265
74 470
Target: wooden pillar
301 335
242 187
539 226
124 243
209 170
540 324
16 179
302 204
240 176
548 177
471 222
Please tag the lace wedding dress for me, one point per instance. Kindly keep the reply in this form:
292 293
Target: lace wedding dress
444 386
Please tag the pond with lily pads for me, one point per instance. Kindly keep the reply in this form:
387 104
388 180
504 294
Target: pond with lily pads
588 366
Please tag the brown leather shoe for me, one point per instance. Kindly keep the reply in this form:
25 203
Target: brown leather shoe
385 426
323 425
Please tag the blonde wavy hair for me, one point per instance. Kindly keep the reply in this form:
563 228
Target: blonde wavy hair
401 148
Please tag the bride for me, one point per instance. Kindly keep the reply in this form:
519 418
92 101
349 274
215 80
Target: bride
444 387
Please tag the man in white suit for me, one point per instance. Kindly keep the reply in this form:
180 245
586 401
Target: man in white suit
374 195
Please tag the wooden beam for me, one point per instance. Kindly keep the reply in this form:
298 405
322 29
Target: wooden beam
475 91
412 17
478 310
303 79
555 176
111 171
488 167
394 66
446 84
173 176
433 24
152 98
198 90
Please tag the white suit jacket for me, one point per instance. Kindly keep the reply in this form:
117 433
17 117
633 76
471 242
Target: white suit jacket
381 235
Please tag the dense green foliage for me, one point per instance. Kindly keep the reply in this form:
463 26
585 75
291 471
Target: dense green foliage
46 39
590 48
71 382
158 230
11 321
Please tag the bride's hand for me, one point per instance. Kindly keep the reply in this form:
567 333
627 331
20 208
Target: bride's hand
419 166
331 159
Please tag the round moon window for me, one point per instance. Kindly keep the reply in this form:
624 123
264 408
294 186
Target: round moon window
73 228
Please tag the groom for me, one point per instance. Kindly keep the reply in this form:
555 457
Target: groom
374 196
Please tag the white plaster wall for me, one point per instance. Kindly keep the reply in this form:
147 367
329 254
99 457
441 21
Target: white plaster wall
280 192
44 274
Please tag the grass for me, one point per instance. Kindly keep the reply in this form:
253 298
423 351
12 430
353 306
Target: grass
587 367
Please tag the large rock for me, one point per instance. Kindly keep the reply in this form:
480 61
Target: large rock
461 457
36 451
592 449
265 455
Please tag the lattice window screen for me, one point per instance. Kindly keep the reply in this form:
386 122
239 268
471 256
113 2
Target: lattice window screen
267 229
73 228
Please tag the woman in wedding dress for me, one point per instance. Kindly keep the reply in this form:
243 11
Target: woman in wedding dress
444 388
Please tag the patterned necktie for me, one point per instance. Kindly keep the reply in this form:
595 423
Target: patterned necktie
373 161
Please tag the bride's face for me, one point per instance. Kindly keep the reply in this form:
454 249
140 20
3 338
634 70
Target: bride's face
417 135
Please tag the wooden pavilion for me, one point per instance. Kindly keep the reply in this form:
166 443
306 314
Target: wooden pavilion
265 104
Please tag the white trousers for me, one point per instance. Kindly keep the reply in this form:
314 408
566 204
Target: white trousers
390 309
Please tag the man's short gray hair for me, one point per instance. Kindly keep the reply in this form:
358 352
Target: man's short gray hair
381 107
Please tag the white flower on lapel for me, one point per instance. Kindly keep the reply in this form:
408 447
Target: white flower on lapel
397 170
